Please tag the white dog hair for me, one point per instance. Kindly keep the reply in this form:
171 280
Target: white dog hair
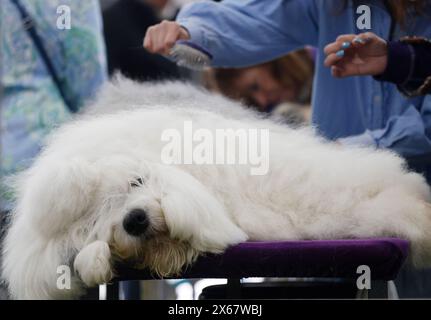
71 204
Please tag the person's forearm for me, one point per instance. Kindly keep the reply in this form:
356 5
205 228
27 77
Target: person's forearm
242 33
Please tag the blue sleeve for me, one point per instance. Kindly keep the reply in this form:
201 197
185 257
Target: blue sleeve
241 33
407 134
365 139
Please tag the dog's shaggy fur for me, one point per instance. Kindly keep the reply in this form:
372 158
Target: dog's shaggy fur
94 170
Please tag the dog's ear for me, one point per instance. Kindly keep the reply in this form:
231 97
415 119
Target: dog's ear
194 215
55 193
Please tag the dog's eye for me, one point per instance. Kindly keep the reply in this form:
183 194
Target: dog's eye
138 182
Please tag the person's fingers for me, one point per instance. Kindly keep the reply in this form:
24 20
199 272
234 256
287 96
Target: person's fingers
340 72
158 37
172 35
161 37
148 45
343 42
345 37
336 72
364 38
350 41
344 69
350 55
169 33
184 34
333 58
154 35
377 46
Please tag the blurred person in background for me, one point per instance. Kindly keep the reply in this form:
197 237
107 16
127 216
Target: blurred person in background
48 72
281 87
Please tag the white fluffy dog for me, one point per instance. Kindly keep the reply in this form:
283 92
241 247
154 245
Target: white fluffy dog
100 193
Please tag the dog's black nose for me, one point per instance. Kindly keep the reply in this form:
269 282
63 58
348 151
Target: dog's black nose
136 222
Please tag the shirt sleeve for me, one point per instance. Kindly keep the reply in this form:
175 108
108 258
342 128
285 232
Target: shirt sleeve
407 134
409 66
362 140
241 33
399 63
419 82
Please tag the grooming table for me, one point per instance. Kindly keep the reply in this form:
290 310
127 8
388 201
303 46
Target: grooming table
298 259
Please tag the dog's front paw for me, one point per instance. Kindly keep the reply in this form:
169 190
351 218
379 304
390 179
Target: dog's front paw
93 263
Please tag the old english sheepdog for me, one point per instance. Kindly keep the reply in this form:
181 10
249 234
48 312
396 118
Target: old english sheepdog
104 189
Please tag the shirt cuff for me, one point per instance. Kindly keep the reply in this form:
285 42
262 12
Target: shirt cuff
399 65
196 32
361 140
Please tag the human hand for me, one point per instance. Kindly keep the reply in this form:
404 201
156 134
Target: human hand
161 37
352 55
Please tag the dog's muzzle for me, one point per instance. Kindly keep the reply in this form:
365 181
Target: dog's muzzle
136 222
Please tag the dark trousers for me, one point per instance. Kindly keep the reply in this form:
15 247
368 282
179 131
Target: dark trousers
413 284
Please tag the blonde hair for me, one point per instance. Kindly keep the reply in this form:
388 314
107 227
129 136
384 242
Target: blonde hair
295 70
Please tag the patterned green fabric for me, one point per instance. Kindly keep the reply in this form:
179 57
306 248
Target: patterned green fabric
31 104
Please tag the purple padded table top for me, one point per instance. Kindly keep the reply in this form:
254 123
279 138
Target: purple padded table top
308 258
